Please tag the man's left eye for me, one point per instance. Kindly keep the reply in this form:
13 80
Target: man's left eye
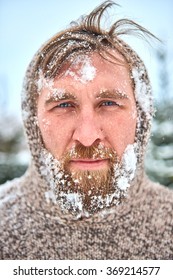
109 103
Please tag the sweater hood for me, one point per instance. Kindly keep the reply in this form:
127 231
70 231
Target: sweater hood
132 162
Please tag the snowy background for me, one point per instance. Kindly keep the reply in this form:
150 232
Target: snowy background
26 24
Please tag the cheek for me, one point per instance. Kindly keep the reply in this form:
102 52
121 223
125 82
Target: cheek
55 134
48 133
120 131
45 125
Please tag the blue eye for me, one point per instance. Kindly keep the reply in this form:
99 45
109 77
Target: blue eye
64 105
109 103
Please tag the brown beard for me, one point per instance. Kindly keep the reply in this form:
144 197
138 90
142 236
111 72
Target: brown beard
88 183
84 192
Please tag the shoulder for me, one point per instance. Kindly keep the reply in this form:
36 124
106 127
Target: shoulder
155 204
17 194
9 197
9 191
16 210
14 198
11 200
18 188
151 216
151 198
157 194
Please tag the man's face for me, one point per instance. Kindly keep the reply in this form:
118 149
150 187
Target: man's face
90 106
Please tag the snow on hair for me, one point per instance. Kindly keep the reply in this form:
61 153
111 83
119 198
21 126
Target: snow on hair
87 35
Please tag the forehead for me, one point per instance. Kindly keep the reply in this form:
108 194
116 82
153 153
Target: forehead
90 71
85 65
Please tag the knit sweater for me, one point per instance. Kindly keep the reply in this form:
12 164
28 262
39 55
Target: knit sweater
33 227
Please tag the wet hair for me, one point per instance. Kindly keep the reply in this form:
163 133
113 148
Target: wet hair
87 35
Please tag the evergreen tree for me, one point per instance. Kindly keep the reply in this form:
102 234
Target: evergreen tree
13 151
159 161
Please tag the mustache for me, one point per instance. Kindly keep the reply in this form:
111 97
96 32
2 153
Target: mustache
96 151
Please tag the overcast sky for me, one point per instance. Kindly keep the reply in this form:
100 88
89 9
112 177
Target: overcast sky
26 24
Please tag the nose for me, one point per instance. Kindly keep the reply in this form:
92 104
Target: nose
88 129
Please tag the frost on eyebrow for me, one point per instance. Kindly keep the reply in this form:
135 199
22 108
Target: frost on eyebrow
58 95
82 69
113 93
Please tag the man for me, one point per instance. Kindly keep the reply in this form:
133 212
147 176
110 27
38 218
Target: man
87 110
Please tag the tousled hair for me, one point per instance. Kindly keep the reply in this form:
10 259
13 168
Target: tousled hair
86 35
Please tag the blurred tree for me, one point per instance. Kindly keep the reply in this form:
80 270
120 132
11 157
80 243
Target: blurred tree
159 160
13 151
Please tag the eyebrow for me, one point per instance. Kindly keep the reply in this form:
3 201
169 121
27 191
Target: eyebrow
111 94
58 97
114 94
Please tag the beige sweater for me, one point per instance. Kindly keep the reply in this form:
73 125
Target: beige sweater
33 227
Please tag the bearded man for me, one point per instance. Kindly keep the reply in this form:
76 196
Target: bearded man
87 110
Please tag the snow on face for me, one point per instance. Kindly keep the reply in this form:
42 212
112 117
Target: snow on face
128 168
141 89
48 84
82 69
58 180
122 174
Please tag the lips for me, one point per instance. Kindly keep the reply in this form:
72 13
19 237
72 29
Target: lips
85 164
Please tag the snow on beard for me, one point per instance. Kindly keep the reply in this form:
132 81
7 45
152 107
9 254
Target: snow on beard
83 193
